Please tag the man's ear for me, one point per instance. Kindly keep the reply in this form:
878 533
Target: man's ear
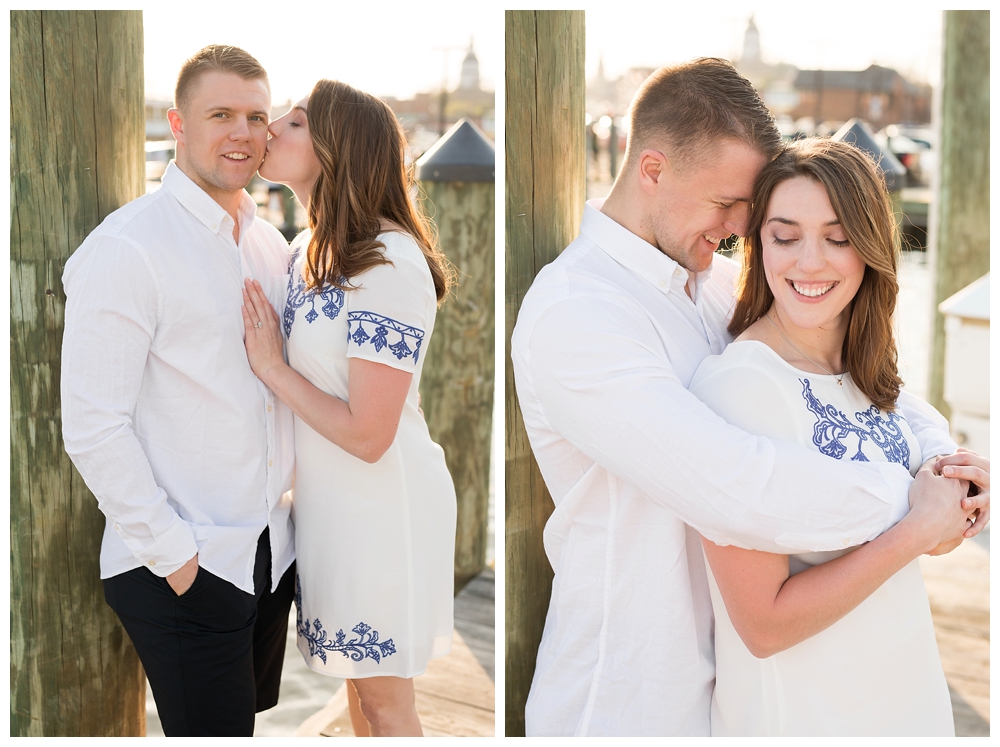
653 167
176 124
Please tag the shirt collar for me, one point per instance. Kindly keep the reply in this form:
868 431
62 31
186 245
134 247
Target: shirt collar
197 201
633 253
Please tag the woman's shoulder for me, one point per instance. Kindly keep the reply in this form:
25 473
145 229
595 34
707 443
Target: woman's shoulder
399 243
739 355
751 388
404 254
745 370
405 270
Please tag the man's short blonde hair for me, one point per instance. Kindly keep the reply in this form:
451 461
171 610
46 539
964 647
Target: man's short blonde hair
688 108
216 57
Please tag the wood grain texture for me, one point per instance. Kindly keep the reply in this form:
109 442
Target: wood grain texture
959 238
545 183
73 669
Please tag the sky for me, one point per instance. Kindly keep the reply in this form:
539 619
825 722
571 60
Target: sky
391 49
381 48
847 36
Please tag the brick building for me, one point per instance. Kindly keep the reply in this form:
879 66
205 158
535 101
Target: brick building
878 95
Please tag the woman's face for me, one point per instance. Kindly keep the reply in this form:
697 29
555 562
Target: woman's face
290 157
810 266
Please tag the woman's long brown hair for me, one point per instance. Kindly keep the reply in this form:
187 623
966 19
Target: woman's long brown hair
363 180
859 198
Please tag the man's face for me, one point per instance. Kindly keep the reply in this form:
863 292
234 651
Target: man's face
704 204
222 131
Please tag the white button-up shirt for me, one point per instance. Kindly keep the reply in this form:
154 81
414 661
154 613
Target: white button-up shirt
185 449
605 345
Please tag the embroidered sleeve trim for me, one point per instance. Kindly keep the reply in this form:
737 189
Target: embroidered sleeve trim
367 328
365 646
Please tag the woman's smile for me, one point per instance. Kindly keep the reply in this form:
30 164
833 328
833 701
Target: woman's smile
812 290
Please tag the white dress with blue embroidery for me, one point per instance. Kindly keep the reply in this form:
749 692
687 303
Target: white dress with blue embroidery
374 542
876 671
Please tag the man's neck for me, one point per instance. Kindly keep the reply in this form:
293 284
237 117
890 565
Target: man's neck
625 210
228 200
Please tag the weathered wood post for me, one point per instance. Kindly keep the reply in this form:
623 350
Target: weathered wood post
457 175
546 188
959 240
613 149
77 132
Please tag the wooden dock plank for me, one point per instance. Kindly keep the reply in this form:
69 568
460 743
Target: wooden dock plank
958 586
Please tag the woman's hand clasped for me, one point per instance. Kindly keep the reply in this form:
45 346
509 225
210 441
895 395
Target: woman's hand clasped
263 338
969 466
951 499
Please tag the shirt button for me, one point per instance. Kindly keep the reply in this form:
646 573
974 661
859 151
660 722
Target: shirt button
117 528
270 463
847 543
152 562
269 408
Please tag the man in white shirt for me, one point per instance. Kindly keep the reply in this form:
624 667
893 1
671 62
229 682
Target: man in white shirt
606 342
189 455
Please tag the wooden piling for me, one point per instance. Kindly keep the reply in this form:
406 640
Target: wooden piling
959 241
545 192
77 132
456 386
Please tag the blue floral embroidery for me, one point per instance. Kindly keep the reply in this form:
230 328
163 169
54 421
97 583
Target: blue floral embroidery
365 646
299 295
832 426
381 326
886 434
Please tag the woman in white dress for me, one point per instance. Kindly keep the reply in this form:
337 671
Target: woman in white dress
374 503
835 643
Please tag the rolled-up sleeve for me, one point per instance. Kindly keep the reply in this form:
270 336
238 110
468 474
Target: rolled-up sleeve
598 371
112 303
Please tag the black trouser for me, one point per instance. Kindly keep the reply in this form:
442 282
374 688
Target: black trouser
212 655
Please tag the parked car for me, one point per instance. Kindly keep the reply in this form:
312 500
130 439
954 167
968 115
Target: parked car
914 152
158 155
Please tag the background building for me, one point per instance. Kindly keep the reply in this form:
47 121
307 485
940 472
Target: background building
878 95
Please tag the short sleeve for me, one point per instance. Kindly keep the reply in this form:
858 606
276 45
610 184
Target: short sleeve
390 311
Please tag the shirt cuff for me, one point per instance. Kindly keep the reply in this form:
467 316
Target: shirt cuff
169 552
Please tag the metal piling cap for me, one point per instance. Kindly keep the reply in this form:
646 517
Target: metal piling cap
463 154
857 133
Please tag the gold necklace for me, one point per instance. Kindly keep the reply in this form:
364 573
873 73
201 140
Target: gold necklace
840 381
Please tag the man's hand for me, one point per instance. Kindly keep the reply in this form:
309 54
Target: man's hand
967 465
181 579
